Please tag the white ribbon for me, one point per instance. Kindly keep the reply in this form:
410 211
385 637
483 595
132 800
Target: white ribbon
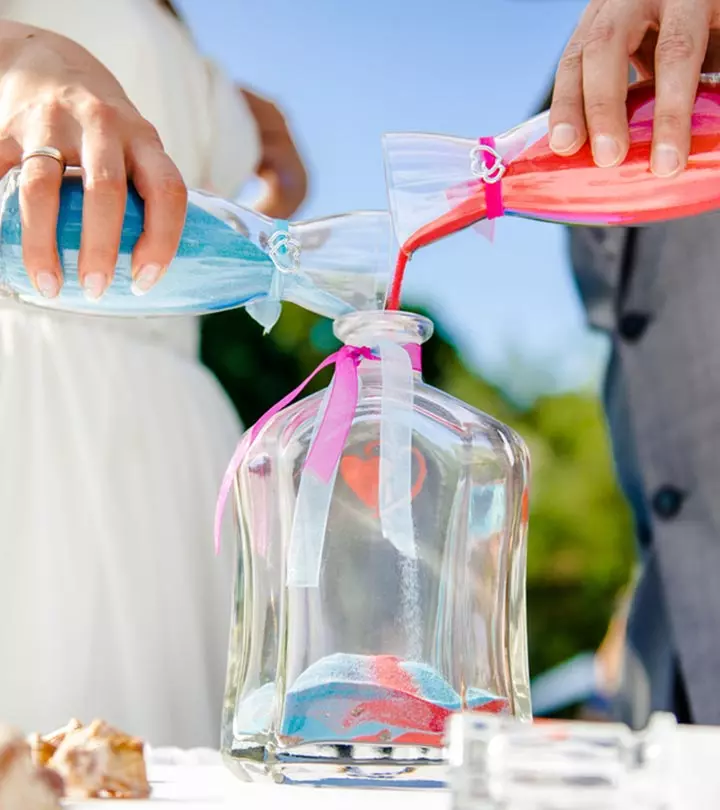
395 485
312 510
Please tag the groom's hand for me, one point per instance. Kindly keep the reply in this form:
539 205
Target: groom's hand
667 39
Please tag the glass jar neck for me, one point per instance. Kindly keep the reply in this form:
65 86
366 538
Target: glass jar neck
367 328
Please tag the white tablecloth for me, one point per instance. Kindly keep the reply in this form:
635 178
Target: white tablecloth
197 780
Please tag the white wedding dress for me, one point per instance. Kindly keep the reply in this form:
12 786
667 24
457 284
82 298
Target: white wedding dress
113 442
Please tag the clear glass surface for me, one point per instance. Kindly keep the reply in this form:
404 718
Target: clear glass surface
428 176
438 185
229 256
496 764
353 681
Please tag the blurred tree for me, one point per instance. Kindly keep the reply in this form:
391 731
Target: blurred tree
580 548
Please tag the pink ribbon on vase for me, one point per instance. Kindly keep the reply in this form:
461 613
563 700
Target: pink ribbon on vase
332 432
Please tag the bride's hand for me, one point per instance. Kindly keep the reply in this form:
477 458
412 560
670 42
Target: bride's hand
53 93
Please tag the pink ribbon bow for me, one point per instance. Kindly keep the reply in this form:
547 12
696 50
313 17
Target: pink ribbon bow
326 451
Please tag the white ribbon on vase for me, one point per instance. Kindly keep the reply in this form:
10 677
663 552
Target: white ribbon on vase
315 493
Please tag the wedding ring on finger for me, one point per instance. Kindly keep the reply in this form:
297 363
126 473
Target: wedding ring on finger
44 151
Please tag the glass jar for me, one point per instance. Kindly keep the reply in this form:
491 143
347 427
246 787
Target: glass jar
496 763
352 679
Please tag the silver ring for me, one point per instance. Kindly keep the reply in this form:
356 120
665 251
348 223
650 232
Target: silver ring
44 151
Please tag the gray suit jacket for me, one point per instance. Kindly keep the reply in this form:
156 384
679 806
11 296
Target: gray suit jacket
656 292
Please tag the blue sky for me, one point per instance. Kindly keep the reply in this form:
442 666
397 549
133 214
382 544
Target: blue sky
346 72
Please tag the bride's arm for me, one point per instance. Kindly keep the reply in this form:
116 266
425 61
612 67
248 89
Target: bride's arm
281 167
240 116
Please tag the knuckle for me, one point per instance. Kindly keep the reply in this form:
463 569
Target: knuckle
675 47
44 114
36 182
100 114
106 184
37 253
669 122
566 104
171 188
51 111
598 108
149 133
100 256
571 60
599 35
8 148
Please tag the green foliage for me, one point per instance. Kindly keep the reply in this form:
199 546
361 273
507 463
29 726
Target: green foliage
580 548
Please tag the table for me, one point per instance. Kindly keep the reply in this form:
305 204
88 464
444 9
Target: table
197 780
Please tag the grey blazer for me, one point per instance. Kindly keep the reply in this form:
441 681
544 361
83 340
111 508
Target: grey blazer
656 292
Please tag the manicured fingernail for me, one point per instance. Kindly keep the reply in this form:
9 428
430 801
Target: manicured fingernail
94 284
563 138
47 284
606 151
146 278
665 160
